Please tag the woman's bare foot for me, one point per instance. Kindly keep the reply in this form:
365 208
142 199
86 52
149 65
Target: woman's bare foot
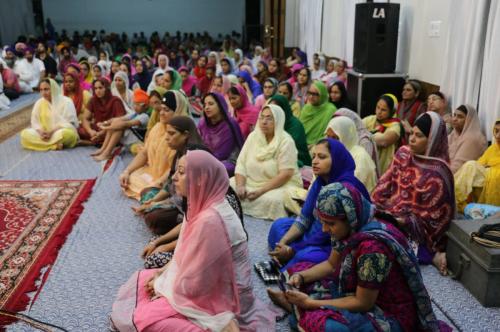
84 142
96 153
102 157
439 261
278 298
59 146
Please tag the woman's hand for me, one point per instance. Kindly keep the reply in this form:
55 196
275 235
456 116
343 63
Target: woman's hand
162 248
253 195
282 253
150 284
300 299
148 250
231 327
124 177
141 209
296 280
241 191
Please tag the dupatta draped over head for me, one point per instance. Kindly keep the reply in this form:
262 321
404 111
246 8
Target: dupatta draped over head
419 189
247 114
222 137
200 281
339 199
470 143
315 117
342 170
252 84
77 96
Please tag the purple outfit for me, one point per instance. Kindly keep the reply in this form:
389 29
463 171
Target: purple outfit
223 139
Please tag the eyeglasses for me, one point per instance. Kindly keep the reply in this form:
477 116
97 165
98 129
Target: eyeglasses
310 93
266 119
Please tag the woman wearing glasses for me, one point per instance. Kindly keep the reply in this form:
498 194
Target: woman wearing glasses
316 114
266 169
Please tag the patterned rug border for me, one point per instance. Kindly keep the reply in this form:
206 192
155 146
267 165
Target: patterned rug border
14 122
18 300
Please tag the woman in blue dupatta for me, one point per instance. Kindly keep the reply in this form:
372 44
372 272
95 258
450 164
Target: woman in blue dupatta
253 85
300 239
370 282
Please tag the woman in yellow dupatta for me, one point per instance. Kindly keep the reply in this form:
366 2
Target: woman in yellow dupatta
386 129
53 121
151 166
479 181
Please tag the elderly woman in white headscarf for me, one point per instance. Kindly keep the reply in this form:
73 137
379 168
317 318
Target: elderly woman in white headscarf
119 88
343 129
266 170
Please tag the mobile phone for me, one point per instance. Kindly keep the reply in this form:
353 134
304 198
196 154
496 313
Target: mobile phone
282 283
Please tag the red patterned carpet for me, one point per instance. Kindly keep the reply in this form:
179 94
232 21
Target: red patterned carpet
35 218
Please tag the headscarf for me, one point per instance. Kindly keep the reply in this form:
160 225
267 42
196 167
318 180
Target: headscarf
85 85
470 143
274 82
231 66
167 67
176 79
128 102
247 114
189 82
343 200
214 136
240 52
204 83
365 137
429 207
152 86
315 118
89 77
295 128
436 147
339 199
252 84
62 112
264 150
77 96
108 106
203 255
345 130
144 78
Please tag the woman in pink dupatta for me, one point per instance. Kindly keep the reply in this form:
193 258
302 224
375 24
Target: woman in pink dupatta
245 113
207 285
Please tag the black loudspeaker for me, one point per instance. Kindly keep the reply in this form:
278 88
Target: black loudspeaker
365 89
376 37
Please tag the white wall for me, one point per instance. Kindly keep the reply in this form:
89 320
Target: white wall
427 54
419 55
214 16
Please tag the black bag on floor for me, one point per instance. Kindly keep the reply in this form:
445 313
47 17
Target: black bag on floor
473 260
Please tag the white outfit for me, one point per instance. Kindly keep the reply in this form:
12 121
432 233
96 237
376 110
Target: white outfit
29 72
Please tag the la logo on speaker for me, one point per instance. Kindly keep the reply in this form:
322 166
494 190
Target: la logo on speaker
378 13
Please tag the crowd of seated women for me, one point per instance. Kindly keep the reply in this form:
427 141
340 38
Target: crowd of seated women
355 204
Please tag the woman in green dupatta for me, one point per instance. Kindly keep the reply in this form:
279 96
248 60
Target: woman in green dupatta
295 128
316 114
172 80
